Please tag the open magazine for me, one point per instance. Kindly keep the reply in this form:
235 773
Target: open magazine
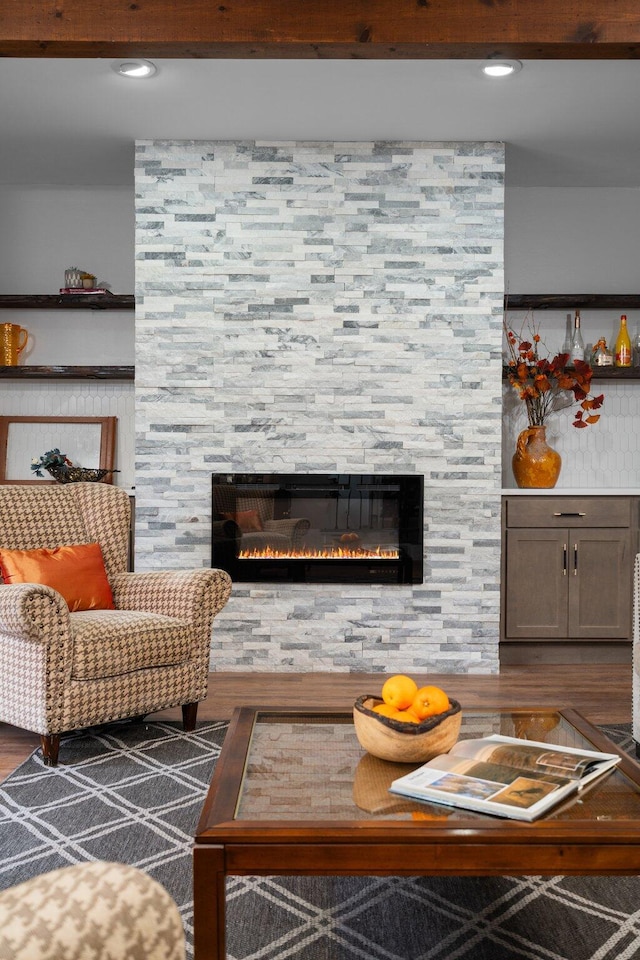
504 776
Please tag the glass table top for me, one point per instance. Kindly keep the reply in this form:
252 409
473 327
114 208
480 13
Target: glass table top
312 768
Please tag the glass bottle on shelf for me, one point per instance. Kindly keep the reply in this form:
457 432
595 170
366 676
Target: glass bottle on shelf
623 345
635 350
568 337
577 343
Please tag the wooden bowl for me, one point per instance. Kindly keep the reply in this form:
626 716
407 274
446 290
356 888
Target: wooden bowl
402 742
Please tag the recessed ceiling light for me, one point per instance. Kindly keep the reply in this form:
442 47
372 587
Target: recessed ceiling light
136 69
501 68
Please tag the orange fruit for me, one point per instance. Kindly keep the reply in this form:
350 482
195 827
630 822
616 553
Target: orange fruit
407 716
386 710
429 701
399 691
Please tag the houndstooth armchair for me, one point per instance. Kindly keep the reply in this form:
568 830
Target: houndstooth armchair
62 671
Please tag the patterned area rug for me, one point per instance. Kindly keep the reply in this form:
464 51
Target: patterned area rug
133 793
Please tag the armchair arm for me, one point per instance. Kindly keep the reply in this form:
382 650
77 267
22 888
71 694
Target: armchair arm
33 612
189 594
36 650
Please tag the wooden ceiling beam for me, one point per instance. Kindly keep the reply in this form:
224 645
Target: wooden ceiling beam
331 29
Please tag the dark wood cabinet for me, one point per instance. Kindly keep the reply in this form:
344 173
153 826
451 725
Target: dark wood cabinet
567 568
535 586
568 584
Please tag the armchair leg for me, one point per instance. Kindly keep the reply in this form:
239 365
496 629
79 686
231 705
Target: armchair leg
50 746
189 714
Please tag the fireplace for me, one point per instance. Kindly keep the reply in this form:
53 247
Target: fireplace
318 528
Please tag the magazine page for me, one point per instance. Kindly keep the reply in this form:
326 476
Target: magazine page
460 777
477 783
566 762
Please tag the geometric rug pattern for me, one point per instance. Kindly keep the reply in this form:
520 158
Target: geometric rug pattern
133 792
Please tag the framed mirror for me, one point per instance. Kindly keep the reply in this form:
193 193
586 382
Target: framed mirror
86 441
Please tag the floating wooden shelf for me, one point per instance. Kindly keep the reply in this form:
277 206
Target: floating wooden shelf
615 373
68 301
604 373
66 373
567 301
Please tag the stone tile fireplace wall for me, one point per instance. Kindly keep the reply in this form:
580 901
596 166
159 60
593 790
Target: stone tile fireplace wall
326 307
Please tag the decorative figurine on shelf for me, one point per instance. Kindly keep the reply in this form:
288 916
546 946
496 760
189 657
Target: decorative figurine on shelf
81 281
63 470
72 277
601 357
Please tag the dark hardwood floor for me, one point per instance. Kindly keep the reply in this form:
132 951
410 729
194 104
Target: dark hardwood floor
601 692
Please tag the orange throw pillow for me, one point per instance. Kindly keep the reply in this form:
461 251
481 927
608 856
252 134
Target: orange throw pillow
77 572
248 520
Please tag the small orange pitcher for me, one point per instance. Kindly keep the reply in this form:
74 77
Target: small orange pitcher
13 340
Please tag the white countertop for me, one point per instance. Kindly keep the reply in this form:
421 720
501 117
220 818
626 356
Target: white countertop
571 492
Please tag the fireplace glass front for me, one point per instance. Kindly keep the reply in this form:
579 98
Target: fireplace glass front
318 528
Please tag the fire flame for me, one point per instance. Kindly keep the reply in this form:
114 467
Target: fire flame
326 553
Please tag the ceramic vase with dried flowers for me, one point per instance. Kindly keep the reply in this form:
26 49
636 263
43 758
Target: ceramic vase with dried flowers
546 386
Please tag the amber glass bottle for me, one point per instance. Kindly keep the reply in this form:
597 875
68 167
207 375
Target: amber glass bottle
623 345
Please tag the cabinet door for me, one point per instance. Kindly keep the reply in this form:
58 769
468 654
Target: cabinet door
536 602
600 584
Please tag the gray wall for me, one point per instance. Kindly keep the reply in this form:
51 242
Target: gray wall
44 229
576 240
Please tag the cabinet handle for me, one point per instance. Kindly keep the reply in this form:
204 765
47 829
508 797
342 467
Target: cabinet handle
575 559
564 559
558 513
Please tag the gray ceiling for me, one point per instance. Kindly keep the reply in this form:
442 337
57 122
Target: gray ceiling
565 123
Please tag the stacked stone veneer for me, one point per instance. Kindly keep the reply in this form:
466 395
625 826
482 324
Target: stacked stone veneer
326 307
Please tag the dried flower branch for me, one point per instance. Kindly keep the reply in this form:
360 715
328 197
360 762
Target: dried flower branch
541 382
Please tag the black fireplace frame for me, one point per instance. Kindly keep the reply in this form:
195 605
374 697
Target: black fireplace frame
407 489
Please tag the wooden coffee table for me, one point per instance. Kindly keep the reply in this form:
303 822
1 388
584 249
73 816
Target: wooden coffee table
293 793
